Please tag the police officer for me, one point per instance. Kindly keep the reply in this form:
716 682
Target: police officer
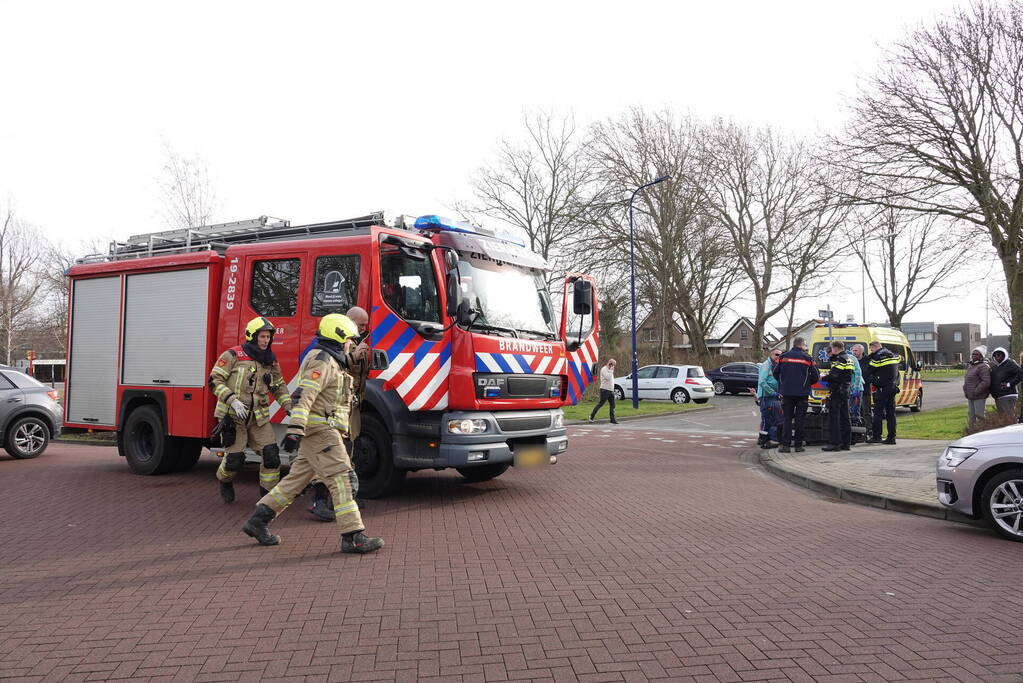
840 378
795 373
319 417
243 379
358 368
883 376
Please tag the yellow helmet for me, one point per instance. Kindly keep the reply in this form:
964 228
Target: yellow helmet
338 327
257 325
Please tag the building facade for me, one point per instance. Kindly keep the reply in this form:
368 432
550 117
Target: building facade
956 340
923 339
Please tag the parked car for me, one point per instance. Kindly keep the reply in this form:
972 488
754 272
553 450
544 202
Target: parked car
734 378
678 383
29 413
981 476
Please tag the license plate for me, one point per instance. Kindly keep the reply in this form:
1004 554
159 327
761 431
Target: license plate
531 456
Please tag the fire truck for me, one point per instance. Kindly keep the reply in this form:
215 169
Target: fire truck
471 364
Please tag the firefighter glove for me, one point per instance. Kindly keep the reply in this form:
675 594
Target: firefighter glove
240 409
290 443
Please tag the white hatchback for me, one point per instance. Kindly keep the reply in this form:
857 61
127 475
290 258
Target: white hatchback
677 383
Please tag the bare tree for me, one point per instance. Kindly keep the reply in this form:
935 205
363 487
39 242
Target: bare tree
939 130
682 263
908 258
776 203
188 197
540 186
20 255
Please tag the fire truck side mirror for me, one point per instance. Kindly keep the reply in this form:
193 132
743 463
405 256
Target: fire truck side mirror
582 297
379 360
464 314
454 292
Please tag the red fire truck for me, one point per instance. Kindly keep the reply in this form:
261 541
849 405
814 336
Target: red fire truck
471 365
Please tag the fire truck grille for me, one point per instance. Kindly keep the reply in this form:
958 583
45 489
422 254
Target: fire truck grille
527 386
521 424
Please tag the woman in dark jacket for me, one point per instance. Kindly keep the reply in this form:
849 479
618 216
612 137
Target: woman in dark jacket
977 383
1005 375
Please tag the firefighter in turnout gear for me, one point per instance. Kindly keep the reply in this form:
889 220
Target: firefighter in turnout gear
243 379
839 379
318 419
883 375
358 368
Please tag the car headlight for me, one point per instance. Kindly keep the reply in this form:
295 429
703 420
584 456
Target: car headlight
955 455
559 421
467 426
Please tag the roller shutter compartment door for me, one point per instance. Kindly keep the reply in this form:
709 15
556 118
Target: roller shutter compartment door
92 377
165 318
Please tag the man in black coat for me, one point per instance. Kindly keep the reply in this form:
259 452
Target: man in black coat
1005 375
795 373
840 376
883 366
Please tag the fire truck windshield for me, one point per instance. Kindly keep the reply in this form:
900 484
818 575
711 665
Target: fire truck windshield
507 298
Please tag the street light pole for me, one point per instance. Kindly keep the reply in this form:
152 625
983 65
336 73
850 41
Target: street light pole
632 262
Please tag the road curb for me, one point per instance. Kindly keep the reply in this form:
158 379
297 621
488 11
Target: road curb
632 418
860 497
85 442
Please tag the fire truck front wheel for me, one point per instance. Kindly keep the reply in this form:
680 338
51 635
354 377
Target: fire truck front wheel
147 448
373 460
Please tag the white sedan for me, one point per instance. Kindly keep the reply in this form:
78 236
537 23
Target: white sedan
677 383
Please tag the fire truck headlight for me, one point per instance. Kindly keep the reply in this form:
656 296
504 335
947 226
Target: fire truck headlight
559 421
467 426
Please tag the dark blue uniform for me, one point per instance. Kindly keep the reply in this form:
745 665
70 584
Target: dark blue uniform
795 373
883 376
839 379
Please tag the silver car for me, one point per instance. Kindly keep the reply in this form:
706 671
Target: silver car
981 476
30 414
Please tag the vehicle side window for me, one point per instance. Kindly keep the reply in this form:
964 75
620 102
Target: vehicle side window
647 372
666 372
750 369
695 372
5 382
408 285
730 369
274 291
335 284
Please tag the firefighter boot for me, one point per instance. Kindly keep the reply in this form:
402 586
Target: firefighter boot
257 525
358 542
227 491
321 508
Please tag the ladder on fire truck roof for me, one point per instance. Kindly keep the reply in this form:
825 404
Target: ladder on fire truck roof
220 236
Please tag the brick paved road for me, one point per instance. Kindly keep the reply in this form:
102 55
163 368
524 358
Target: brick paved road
650 555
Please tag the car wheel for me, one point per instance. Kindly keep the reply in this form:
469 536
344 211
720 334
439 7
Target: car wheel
27 438
1002 501
719 387
147 448
700 400
483 472
619 394
680 396
373 460
918 404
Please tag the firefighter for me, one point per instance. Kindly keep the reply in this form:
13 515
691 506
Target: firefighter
358 367
243 379
796 374
319 417
883 376
840 378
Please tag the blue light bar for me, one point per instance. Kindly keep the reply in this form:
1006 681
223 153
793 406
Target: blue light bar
440 223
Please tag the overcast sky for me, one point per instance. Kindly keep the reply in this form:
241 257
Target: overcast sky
317 111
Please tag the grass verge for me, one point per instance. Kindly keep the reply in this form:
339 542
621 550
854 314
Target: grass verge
942 375
581 411
944 424
103 437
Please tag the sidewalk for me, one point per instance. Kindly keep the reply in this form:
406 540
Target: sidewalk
899 478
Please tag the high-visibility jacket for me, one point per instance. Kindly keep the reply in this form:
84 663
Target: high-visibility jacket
840 376
884 369
238 375
323 397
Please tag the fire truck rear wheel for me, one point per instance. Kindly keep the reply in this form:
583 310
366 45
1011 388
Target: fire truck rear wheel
188 453
373 460
147 448
484 472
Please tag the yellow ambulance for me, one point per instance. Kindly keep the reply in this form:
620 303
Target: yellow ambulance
911 393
